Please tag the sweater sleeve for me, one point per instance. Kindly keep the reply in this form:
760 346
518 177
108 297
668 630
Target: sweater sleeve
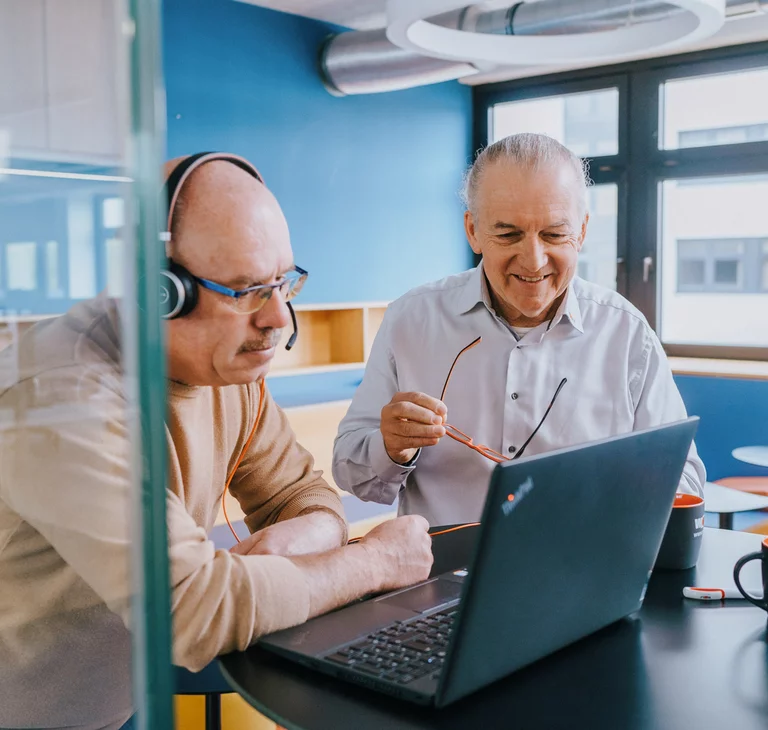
277 479
79 498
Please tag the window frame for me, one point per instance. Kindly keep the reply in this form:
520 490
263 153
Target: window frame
640 167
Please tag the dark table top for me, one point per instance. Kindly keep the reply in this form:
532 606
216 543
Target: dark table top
677 664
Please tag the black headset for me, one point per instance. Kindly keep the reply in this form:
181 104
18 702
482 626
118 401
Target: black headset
178 288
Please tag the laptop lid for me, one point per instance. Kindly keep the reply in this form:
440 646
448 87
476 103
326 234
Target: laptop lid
567 544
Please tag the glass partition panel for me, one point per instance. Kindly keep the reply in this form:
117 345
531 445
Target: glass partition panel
71 335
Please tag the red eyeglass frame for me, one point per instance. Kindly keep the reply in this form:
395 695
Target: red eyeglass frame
486 451
459 435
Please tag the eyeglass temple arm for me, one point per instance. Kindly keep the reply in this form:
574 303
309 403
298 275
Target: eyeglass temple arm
456 359
541 422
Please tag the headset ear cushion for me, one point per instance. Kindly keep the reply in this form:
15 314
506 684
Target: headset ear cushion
178 291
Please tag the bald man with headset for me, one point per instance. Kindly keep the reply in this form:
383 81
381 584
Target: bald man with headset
65 472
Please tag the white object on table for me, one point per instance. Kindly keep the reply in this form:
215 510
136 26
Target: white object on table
757 455
711 594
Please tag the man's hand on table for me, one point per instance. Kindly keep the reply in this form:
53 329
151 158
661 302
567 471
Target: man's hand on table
400 552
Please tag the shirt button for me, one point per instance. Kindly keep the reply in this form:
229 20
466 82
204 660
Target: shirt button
514 396
512 449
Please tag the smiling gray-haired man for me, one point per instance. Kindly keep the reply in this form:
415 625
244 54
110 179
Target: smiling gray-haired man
518 355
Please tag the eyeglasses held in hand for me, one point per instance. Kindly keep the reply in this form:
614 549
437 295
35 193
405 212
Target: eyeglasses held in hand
487 451
252 299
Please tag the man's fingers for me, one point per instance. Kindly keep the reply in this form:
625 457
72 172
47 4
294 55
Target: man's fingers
396 443
411 412
418 521
423 400
410 430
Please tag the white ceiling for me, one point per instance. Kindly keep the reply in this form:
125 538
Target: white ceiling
368 14
358 14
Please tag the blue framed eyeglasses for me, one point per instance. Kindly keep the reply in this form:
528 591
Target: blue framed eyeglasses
252 299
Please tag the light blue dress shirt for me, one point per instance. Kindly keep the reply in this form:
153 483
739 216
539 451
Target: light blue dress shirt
619 380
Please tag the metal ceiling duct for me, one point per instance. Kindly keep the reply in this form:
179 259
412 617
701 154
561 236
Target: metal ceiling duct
367 62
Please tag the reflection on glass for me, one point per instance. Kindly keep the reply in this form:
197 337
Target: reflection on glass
688 118
713 240
52 278
113 213
115 267
587 123
21 266
66 470
597 260
60 226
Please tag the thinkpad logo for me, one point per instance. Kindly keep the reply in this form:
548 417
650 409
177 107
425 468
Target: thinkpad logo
514 499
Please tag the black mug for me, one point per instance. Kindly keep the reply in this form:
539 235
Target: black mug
682 539
762 555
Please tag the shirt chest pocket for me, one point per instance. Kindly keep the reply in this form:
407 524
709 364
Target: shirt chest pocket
590 408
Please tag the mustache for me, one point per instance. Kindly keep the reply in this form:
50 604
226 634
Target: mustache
267 341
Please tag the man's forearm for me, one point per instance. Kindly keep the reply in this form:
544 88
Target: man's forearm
329 526
362 467
337 577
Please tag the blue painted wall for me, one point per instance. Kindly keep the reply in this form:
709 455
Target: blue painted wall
368 183
733 413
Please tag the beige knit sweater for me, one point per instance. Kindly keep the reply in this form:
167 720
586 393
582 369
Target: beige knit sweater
66 495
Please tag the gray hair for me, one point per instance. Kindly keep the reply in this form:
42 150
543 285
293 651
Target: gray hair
527 150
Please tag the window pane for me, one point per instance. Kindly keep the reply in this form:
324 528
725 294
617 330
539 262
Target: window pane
689 118
712 238
727 272
587 123
597 260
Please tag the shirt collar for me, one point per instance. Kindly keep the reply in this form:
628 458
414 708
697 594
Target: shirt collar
475 291
569 308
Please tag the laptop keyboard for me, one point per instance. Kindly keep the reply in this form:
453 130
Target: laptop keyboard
402 652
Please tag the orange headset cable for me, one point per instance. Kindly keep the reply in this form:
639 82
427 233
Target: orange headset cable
244 451
240 458
433 534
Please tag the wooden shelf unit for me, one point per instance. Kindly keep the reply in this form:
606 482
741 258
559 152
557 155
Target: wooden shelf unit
331 337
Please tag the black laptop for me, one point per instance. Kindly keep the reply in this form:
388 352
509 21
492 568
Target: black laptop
566 546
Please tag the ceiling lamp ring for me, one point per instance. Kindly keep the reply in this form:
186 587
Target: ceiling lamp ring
408 28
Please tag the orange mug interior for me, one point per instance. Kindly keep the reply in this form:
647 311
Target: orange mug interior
687 500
